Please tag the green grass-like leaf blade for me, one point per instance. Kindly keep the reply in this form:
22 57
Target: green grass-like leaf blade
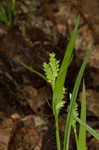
33 70
72 102
58 90
3 16
88 128
82 130
9 11
13 7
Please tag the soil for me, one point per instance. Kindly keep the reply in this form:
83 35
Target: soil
41 27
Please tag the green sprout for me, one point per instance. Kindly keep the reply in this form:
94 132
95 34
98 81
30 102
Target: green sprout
56 77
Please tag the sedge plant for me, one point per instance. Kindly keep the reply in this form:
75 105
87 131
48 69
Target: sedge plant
7 16
55 75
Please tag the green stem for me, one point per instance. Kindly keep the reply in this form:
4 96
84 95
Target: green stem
76 137
57 134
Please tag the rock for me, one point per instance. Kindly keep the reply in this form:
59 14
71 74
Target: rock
6 131
26 136
40 123
91 10
17 132
84 42
37 98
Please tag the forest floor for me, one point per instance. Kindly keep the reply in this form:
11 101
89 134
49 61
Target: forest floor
41 27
